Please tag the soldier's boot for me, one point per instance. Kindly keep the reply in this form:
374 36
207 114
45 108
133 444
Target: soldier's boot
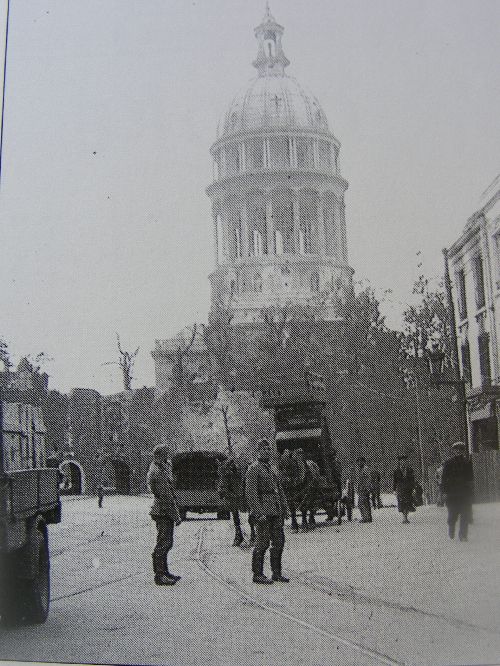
167 572
252 535
304 526
451 531
238 537
258 569
276 569
295 527
161 577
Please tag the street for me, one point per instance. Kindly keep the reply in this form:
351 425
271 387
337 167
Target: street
380 593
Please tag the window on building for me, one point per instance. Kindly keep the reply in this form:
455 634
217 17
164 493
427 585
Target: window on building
282 207
280 152
325 155
479 281
466 367
461 294
308 216
484 358
305 158
254 151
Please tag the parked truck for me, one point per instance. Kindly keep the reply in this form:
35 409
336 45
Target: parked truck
29 502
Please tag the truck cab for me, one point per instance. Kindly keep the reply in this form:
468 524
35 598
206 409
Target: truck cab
29 502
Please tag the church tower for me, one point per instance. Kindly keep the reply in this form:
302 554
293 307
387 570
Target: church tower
277 195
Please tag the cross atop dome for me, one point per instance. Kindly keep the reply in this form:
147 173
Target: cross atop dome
270 60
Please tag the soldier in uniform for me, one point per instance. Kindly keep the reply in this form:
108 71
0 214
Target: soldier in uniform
364 489
458 485
231 489
164 512
267 503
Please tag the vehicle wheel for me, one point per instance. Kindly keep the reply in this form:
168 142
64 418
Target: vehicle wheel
37 589
223 515
183 513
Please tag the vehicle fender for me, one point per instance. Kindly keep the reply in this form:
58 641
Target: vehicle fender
27 566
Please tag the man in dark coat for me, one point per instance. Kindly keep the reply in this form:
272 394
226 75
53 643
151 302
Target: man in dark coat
267 503
164 512
231 489
404 483
458 485
364 488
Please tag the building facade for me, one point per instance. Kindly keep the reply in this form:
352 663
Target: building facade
474 265
278 210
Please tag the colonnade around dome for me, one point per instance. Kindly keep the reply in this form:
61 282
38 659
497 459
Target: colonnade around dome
279 221
258 154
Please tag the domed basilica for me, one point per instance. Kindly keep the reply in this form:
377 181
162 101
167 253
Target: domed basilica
277 195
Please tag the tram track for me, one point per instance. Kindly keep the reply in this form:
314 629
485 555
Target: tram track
200 557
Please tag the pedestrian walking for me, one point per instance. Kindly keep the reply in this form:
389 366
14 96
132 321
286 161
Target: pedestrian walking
231 489
364 489
458 487
348 500
375 479
100 495
164 512
268 505
404 483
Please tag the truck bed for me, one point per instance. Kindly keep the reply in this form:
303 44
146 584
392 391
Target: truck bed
28 492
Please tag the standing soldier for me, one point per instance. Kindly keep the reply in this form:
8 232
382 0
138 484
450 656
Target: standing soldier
231 489
458 486
164 512
268 506
404 483
348 494
364 490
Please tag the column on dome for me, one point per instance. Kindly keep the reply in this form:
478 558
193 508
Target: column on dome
270 226
283 202
257 232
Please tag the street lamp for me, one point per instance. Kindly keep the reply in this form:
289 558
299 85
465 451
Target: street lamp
435 358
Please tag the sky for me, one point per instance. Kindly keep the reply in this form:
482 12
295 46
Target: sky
111 107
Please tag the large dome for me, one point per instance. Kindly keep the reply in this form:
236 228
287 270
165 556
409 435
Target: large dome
272 102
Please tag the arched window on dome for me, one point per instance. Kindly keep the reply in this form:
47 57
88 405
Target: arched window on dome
270 44
254 151
232 160
278 241
219 240
305 153
257 282
282 207
257 227
280 152
314 281
308 222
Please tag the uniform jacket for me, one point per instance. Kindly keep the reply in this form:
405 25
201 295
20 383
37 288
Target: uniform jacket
364 480
264 493
458 477
165 504
231 486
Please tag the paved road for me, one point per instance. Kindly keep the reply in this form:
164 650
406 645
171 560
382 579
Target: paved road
360 594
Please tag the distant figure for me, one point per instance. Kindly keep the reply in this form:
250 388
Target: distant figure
164 512
231 489
336 475
375 494
404 483
458 486
268 505
439 489
100 495
311 495
364 489
348 494
292 476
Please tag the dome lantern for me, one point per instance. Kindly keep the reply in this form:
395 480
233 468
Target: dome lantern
270 60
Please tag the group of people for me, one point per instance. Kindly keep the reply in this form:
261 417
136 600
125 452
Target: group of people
270 495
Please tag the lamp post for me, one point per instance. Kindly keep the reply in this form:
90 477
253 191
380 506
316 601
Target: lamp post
436 358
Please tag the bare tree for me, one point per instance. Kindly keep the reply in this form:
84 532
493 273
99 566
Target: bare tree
126 363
